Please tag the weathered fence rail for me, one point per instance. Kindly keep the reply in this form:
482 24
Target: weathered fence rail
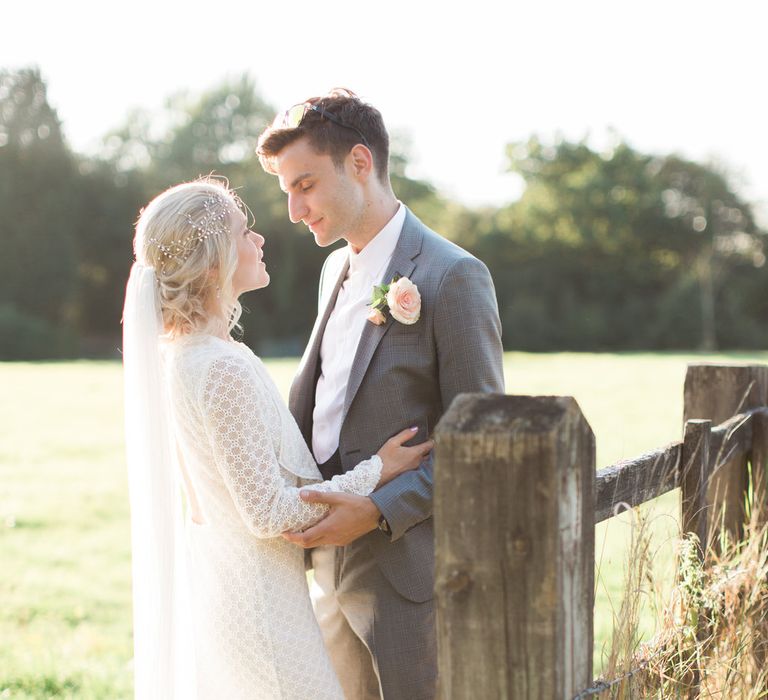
516 501
635 481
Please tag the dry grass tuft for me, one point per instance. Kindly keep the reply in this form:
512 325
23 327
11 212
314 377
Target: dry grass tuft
712 639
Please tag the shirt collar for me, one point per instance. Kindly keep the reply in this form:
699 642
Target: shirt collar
372 259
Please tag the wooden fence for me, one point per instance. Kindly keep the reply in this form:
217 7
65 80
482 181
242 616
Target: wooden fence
517 498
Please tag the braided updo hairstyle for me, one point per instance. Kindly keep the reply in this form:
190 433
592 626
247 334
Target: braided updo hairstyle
194 270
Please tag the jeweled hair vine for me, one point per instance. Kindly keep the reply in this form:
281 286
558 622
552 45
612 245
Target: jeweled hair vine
185 234
213 222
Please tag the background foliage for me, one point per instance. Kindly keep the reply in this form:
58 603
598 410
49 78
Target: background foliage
603 251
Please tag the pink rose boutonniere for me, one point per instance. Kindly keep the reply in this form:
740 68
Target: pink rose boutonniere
401 297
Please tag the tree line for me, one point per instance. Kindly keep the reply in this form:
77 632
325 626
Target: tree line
617 250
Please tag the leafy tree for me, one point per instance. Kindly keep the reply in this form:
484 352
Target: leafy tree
37 218
611 250
107 203
719 229
602 250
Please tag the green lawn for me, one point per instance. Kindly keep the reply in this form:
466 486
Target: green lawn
64 550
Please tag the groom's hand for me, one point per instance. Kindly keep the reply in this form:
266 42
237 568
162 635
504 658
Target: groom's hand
350 517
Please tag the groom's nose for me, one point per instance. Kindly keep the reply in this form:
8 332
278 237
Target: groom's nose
297 210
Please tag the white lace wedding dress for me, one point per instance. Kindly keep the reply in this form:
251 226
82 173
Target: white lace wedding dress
244 459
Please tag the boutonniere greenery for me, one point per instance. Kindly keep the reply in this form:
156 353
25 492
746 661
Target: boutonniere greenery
400 297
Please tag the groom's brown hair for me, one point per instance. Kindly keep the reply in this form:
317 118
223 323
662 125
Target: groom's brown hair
327 136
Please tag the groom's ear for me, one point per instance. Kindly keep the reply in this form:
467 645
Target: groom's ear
361 161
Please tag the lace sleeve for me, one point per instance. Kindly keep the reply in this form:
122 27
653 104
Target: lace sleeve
243 427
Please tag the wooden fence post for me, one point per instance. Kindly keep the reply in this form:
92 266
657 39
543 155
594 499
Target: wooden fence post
694 475
514 529
759 459
717 392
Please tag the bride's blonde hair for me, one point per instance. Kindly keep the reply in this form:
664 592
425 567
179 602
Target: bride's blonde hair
186 234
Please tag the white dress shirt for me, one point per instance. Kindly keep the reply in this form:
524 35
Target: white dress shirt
343 331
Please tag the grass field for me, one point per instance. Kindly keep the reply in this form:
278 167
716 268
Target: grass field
64 543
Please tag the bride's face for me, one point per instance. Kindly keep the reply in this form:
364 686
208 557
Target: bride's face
251 271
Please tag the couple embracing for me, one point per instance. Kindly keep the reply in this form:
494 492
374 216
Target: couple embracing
339 481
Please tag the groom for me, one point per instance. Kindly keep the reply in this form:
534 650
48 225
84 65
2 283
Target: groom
364 377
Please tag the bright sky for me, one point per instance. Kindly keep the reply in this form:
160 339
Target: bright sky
462 79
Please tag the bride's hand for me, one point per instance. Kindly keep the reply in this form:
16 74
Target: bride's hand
397 459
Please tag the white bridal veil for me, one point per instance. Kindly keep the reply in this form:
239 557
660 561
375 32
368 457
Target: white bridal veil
162 634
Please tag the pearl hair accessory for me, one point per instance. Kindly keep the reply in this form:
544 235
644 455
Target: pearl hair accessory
212 223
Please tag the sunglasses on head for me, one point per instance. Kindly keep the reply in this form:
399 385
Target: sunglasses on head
294 116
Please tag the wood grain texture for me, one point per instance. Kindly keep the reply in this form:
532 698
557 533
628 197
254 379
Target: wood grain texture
514 524
695 465
716 393
632 482
759 457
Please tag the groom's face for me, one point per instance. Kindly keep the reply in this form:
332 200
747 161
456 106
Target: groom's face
327 199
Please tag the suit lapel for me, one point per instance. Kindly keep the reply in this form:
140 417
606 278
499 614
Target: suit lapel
408 247
302 393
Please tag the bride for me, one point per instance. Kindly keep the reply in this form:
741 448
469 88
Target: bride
221 604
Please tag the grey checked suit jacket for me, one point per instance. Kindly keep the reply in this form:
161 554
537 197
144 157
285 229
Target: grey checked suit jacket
408 375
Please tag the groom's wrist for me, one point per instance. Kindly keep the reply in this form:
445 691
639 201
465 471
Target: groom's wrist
373 514
381 521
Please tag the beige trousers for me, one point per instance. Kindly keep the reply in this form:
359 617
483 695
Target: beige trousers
350 656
